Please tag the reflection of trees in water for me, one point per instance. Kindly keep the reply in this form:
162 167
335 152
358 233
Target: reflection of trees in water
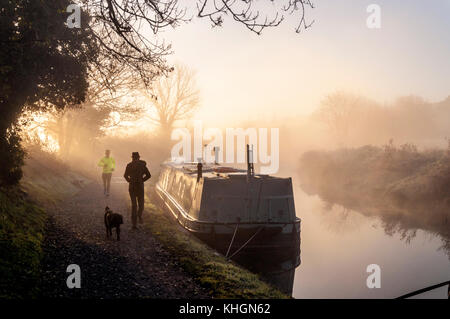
404 224
406 189
392 228
339 219
392 225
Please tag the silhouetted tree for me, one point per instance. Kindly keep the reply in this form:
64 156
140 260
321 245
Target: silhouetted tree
337 110
173 98
107 105
42 64
124 27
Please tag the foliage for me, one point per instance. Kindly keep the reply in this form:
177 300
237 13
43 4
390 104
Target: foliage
22 223
21 233
109 105
43 64
11 159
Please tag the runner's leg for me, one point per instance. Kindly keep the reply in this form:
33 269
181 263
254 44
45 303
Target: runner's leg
104 183
108 182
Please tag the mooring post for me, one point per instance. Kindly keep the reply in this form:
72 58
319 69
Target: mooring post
250 167
199 171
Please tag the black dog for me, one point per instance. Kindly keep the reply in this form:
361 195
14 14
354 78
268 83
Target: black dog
112 220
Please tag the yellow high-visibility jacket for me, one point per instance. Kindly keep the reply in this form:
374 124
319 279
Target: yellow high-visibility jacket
108 164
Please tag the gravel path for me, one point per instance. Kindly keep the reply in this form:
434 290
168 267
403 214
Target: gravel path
137 266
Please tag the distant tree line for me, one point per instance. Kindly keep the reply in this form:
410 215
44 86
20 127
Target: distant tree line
353 119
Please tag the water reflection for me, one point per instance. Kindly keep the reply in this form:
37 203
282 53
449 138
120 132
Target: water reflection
338 244
396 220
276 269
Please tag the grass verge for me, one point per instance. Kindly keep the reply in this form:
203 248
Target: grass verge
22 226
211 270
49 180
22 222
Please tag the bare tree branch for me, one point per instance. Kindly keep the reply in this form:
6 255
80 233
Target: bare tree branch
173 98
123 28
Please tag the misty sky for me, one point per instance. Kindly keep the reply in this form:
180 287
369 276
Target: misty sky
282 73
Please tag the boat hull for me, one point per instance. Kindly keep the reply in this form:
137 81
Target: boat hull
281 240
249 219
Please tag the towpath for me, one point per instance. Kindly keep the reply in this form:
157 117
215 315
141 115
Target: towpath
135 267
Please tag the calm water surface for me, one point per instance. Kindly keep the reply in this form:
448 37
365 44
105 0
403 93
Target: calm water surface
337 245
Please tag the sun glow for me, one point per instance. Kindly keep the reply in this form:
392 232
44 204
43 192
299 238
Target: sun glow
37 131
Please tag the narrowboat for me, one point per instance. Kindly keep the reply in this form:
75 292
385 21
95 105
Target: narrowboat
243 215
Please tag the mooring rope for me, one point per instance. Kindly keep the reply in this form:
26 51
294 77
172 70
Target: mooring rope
245 244
232 239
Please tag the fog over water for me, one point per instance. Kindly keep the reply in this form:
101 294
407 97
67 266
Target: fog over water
337 246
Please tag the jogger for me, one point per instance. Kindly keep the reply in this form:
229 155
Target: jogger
109 164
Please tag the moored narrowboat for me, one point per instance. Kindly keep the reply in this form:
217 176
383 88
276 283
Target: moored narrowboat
235 211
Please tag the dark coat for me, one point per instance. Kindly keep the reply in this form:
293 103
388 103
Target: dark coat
137 173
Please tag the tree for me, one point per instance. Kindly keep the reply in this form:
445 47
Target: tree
42 64
107 105
337 111
173 98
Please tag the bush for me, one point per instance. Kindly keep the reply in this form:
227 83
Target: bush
21 233
11 159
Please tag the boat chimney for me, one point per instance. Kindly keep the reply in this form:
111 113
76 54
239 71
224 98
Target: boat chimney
199 169
250 168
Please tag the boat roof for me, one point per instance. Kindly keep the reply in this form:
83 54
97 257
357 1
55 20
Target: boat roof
212 170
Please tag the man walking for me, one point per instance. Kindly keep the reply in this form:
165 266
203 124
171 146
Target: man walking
108 165
136 174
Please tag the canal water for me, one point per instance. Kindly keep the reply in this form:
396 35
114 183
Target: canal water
337 245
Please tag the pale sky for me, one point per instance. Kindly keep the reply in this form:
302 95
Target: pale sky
280 73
